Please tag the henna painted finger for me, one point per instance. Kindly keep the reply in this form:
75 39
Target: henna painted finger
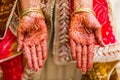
44 49
34 58
20 39
84 59
98 36
39 54
27 55
79 50
90 56
73 49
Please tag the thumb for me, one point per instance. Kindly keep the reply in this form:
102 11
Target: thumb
98 35
20 40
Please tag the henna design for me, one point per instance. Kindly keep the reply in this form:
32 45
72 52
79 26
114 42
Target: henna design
32 39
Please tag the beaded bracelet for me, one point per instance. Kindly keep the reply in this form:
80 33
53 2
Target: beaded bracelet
84 10
29 10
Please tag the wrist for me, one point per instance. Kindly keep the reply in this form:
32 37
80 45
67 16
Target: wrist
88 10
25 4
83 4
32 12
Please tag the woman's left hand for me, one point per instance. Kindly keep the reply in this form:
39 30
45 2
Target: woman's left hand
84 31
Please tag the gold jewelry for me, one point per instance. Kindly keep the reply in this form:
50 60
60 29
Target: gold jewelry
84 10
29 10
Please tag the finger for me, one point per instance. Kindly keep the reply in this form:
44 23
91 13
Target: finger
73 49
44 49
90 56
27 55
84 59
39 53
20 39
34 58
41 22
98 35
79 50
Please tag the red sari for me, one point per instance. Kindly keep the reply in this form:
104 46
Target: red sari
10 60
13 68
11 65
101 9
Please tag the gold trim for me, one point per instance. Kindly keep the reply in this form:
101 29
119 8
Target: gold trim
2 60
84 10
29 10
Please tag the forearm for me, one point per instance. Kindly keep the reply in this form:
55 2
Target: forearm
83 3
30 3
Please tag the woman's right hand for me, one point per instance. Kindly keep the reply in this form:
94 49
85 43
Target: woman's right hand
32 38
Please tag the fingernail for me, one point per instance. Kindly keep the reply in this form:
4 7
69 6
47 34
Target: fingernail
78 66
18 49
30 66
84 71
89 67
74 58
40 64
36 69
44 57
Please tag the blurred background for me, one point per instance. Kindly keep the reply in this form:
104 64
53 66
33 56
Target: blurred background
116 19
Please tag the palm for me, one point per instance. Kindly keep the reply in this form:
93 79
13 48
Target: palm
32 37
84 31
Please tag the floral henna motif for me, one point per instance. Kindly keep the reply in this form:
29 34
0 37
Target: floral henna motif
84 31
32 38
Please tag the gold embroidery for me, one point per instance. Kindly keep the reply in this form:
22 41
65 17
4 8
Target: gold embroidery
101 71
5 9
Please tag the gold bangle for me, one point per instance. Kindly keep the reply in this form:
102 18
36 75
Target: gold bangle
29 10
84 10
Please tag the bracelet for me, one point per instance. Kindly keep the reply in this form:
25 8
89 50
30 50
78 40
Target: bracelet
84 10
25 11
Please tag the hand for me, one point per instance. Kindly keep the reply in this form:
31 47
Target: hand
84 31
32 38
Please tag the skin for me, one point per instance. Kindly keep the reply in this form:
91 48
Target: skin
32 38
84 31
32 35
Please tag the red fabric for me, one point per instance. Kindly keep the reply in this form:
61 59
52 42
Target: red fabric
5 45
12 69
101 9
